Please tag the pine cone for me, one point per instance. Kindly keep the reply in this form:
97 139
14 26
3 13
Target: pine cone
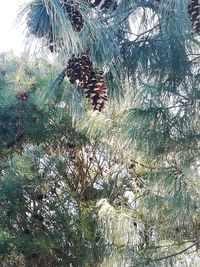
103 4
23 96
74 14
194 14
96 90
79 70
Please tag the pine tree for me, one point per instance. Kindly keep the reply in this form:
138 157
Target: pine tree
52 175
152 78
47 172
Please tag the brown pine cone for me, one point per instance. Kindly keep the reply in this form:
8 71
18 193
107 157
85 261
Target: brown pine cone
79 70
74 14
194 14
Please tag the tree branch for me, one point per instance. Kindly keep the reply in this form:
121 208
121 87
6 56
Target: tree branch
174 254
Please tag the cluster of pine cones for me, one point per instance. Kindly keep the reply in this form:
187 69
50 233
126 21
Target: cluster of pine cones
80 71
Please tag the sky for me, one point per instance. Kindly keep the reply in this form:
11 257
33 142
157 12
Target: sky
11 36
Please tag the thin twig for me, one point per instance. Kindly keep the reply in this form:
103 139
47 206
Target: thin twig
174 254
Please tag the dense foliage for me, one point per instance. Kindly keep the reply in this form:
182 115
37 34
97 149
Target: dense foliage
117 185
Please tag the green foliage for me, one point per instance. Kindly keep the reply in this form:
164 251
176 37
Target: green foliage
120 187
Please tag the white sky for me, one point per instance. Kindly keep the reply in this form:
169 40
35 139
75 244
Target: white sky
11 36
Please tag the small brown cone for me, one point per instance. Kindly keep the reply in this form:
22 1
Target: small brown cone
74 14
103 4
96 91
194 14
